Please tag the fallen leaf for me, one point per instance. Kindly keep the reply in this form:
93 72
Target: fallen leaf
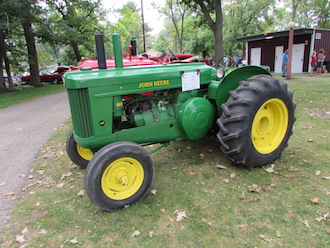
233 175
192 173
38 204
208 149
65 175
292 169
2 184
153 192
151 233
41 172
263 237
163 210
222 167
60 185
42 231
315 200
270 169
225 181
9 194
136 233
7 243
317 173
201 156
310 140
322 218
289 176
327 178
178 150
278 234
25 230
73 241
188 148
30 176
306 223
174 168
81 193
20 239
180 215
243 226
21 175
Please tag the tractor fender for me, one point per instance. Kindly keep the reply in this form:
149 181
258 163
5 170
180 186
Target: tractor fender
231 81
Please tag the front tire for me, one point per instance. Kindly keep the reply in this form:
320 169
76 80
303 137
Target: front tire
78 155
256 122
120 174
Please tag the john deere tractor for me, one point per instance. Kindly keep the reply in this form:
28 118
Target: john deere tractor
117 111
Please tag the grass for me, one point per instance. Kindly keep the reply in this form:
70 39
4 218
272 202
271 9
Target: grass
230 207
24 93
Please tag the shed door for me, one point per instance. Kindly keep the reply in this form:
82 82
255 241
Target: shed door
278 59
255 56
298 58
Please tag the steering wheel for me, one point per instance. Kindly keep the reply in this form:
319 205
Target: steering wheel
176 58
225 62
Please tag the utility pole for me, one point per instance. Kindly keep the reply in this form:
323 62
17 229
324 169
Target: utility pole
143 31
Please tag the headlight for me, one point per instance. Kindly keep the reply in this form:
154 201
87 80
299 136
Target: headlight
220 72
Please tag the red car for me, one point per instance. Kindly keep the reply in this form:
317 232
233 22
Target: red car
52 76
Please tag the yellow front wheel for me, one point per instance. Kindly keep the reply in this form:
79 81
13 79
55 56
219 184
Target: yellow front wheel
119 174
78 155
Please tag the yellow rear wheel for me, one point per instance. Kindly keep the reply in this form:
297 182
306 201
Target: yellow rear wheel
256 122
269 126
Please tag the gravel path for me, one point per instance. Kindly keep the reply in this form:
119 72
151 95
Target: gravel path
24 128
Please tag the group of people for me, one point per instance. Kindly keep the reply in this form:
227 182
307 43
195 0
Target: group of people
317 61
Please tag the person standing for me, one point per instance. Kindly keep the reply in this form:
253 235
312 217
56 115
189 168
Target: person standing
313 61
320 61
285 60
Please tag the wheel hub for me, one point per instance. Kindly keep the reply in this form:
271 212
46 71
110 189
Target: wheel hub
269 126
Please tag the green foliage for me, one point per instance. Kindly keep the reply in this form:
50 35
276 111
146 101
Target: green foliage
129 26
306 14
243 18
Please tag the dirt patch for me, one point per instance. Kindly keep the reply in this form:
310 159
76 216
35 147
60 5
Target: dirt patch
319 113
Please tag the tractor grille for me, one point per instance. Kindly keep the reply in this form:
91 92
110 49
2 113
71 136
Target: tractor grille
81 112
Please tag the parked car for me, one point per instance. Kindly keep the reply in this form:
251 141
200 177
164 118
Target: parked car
51 76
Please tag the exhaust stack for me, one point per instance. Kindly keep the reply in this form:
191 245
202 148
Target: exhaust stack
100 52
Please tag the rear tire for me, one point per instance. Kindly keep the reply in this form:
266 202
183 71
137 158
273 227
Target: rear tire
256 122
119 174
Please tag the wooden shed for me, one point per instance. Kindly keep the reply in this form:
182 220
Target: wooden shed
267 48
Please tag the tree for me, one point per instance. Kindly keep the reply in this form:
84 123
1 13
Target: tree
176 12
305 13
243 18
212 11
74 23
129 25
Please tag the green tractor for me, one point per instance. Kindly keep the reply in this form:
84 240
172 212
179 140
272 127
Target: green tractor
115 112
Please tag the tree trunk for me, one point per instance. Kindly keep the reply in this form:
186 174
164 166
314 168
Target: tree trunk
216 26
76 51
32 51
218 44
10 79
3 87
